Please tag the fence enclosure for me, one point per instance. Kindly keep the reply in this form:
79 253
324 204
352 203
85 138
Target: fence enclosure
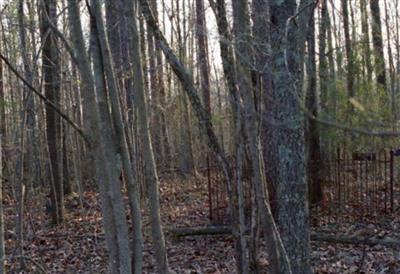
363 184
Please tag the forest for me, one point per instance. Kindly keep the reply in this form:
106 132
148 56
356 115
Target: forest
200 136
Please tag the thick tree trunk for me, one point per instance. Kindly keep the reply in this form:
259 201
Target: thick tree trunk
292 193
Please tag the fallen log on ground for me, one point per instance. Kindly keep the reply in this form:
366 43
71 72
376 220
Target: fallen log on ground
202 230
345 239
338 239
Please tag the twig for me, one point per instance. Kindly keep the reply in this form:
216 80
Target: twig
359 271
39 266
44 99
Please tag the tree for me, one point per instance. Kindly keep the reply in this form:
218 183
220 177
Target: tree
377 42
104 56
291 177
348 49
150 171
2 136
276 251
103 150
202 54
366 39
51 71
314 170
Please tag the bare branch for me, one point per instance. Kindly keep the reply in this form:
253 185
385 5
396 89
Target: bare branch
44 99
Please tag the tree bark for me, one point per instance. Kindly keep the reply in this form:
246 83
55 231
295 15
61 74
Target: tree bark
2 137
102 150
151 176
349 52
377 42
121 141
51 70
292 190
314 163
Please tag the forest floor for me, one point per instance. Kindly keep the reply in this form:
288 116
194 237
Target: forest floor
78 245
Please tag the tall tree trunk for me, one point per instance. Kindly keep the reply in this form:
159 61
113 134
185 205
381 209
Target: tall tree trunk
202 57
377 41
154 103
365 46
51 70
323 63
226 50
151 177
187 83
202 53
292 190
278 259
120 140
102 151
160 110
332 95
262 45
314 170
348 48
186 151
2 137
397 33
30 158
392 72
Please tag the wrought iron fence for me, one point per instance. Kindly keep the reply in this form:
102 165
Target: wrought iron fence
359 183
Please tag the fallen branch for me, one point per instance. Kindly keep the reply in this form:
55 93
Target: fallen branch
339 239
38 265
197 231
344 239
